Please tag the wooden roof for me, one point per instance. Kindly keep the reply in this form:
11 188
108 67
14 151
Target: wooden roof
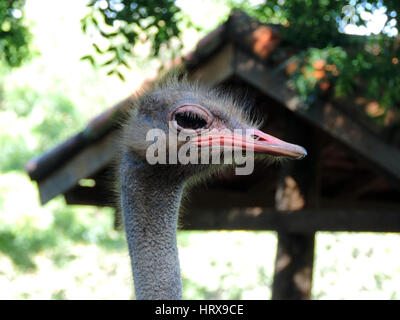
250 54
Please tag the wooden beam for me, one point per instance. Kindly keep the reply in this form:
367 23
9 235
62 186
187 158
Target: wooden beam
304 221
225 199
92 196
85 164
219 67
325 116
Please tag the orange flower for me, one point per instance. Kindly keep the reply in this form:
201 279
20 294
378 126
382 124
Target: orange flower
265 40
374 109
318 64
319 74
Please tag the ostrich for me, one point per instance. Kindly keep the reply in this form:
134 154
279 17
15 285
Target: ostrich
150 194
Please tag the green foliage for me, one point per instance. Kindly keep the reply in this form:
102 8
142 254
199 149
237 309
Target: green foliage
365 64
91 229
311 73
56 118
125 24
14 35
14 152
59 121
310 23
22 99
22 242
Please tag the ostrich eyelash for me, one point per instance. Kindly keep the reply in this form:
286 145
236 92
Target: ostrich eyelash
191 117
188 120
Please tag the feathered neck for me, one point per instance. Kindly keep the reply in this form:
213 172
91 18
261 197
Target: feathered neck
150 201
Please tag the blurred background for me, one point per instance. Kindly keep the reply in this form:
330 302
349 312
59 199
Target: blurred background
63 62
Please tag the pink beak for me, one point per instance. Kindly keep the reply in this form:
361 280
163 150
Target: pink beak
257 140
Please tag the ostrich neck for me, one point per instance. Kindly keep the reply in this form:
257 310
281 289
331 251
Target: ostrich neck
150 201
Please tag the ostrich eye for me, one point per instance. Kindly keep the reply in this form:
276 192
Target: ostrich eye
189 120
191 117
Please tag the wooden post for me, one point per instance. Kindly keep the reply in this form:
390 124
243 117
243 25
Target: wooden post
298 188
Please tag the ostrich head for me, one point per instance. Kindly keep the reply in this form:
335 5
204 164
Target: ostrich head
198 117
151 192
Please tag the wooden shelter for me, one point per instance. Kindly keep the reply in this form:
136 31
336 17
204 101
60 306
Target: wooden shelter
349 181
